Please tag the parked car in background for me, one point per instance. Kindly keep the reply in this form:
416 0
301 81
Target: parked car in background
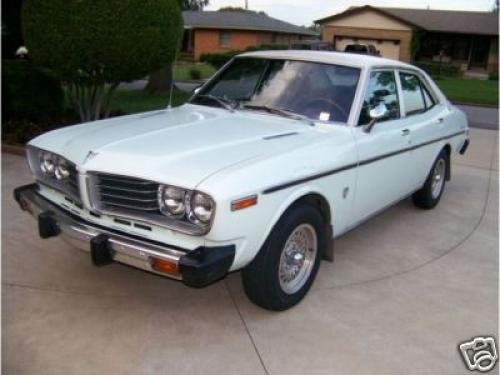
312 45
363 49
272 159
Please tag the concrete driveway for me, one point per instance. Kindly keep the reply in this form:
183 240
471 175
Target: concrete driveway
405 289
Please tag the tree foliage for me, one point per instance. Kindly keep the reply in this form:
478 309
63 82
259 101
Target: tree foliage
193 4
240 9
12 37
93 45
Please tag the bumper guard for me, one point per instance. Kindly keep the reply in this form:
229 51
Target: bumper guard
196 268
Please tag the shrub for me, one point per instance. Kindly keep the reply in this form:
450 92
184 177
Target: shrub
194 73
493 76
432 68
93 45
217 60
28 92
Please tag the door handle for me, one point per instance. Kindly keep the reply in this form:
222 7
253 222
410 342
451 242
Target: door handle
405 131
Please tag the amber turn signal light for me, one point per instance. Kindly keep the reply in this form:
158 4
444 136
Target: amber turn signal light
165 266
244 203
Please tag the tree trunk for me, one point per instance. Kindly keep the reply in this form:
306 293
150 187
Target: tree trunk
160 80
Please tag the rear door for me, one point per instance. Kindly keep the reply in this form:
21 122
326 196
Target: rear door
425 119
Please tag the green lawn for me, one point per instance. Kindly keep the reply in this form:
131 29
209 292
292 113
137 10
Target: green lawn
182 68
471 91
133 101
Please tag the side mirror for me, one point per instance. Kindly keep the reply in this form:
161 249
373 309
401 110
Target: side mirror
197 89
377 113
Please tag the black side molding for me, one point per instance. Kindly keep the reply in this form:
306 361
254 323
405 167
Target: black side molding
205 265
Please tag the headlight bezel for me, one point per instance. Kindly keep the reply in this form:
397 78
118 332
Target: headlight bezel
165 192
188 214
67 185
195 217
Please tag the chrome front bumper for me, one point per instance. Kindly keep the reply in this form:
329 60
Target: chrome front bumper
196 268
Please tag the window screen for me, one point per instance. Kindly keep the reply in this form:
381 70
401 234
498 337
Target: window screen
224 38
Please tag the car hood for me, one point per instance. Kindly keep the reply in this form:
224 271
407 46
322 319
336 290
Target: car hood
180 146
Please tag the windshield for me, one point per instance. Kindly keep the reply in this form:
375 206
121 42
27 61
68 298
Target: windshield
317 91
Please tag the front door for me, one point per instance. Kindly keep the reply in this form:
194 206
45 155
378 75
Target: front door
479 51
383 176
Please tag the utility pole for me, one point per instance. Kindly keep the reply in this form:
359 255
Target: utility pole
246 4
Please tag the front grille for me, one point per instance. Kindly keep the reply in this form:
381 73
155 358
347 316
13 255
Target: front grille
120 192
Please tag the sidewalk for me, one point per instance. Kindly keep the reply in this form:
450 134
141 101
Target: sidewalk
481 117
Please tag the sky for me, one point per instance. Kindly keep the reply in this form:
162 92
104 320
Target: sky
304 12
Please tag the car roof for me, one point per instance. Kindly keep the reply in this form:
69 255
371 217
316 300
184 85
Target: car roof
329 57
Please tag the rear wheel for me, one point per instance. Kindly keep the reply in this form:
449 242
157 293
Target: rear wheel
287 264
430 194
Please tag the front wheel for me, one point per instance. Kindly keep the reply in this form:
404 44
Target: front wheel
430 194
287 264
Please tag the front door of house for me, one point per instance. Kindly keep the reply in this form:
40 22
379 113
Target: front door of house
479 52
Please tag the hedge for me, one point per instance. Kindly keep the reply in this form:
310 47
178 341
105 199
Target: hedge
217 60
28 92
433 69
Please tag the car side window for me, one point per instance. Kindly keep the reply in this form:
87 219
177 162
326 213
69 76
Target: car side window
413 94
381 89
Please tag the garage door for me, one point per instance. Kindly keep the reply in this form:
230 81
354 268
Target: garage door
387 48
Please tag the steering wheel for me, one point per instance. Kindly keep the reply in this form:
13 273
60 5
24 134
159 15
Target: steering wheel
329 102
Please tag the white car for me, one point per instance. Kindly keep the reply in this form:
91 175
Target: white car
274 157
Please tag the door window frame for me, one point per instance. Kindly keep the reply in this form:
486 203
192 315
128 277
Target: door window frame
364 91
423 84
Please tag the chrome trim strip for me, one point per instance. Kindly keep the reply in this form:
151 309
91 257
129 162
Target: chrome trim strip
354 165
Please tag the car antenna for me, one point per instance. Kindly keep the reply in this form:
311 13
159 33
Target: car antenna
172 83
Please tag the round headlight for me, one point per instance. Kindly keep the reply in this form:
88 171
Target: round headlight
47 164
171 200
62 171
202 207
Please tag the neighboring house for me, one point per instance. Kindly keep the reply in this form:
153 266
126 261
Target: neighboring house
466 39
221 31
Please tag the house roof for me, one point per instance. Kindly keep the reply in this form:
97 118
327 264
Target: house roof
240 20
450 21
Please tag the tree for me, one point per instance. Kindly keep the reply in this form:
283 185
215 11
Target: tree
496 5
93 45
12 37
193 4
161 79
240 9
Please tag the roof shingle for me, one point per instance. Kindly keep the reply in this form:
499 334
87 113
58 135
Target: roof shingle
447 21
240 21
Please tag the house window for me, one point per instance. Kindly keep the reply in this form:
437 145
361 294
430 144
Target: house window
224 38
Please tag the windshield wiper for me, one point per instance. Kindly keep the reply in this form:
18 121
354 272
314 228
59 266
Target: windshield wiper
224 103
281 112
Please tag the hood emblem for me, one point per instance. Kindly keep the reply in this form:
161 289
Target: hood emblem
89 156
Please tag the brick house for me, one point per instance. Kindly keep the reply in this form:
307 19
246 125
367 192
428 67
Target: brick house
466 39
221 31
